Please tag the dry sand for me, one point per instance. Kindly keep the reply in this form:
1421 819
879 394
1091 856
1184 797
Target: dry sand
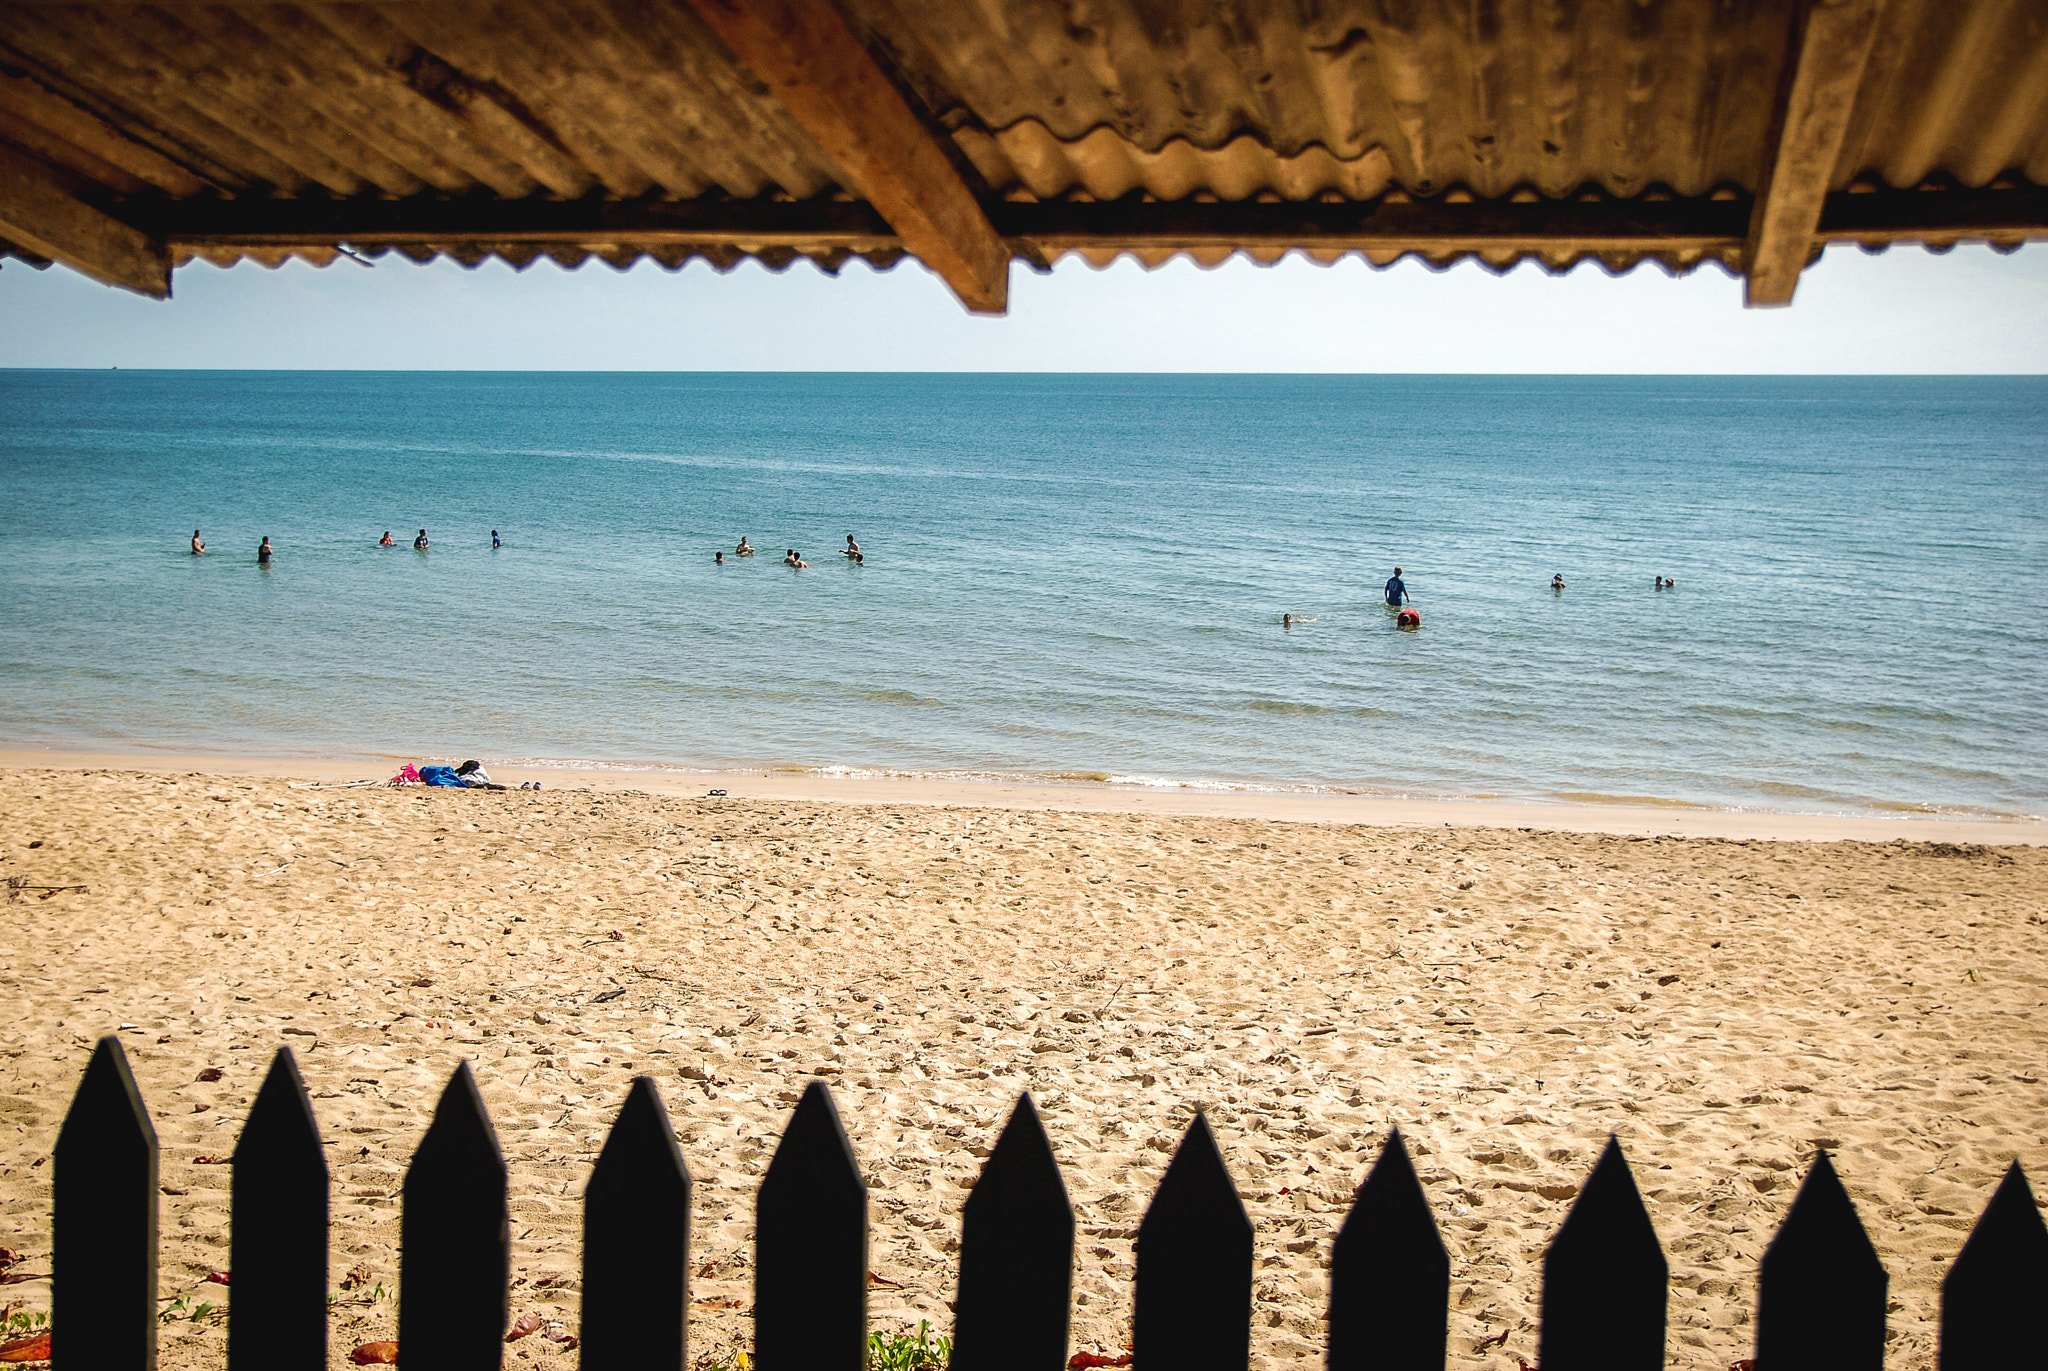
1507 997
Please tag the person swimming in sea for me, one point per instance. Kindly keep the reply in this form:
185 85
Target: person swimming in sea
852 548
263 553
197 546
719 558
1557 583
796 560
495 544
419 544
387 540
1397 589
745 549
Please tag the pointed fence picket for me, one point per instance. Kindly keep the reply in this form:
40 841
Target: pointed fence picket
1390 1277
636 1242
455 1238
1820 1299
1604 1279
1997 1288
1820 1290
1016 1256
811 1246
103 1268
278 1240
1191 1310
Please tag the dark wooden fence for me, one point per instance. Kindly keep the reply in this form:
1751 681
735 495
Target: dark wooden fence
1820 1288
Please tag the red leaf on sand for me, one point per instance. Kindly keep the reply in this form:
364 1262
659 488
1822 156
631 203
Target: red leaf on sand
877 1281
557 1332
1086 1361
8 1256
217 1277
17 1277
1524 1365
1746 1364
35 1347
209 1160
521 1326
372 1353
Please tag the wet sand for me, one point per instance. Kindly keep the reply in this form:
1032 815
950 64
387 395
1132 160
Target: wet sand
1508 995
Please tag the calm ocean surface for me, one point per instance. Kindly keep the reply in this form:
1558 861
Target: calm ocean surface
1073 577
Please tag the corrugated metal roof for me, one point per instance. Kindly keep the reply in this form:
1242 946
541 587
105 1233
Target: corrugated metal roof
140 109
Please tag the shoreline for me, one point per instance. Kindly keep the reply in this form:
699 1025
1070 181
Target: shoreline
1675 819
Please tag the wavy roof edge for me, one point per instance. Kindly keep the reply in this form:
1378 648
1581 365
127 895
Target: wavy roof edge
724 259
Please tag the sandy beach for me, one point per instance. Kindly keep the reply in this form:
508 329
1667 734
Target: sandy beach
1723 992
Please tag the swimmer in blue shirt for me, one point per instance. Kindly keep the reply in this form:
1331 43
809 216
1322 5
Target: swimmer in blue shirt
1397 589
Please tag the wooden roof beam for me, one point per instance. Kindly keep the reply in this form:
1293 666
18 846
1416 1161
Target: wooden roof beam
838 93
40 210
1830 47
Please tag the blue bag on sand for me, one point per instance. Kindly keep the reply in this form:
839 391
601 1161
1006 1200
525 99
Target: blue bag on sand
440 775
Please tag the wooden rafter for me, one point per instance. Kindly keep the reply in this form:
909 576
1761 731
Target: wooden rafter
40 210
1831 43
838 94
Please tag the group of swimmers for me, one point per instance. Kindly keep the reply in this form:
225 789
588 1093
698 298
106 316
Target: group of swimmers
420 544
1397 594
792 558
264 551
1661 583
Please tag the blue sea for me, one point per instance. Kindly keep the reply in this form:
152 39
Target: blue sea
1071 577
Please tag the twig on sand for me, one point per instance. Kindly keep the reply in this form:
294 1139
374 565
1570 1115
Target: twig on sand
1112 998
17 884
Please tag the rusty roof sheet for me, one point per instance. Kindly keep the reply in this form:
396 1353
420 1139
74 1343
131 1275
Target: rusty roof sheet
146 107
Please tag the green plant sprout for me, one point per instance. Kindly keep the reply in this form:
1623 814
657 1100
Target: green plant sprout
183 1308
904 1352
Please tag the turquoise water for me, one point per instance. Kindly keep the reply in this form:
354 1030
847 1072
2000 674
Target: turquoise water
1066 577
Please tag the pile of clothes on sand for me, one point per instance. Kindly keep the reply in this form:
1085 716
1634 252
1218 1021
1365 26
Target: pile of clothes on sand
470 775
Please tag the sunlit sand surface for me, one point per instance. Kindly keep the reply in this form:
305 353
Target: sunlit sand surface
1508 998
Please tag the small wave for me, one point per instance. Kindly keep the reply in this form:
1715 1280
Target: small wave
1303 708
1287 707
897 697
1594 797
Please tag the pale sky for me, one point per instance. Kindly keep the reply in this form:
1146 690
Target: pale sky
1905 311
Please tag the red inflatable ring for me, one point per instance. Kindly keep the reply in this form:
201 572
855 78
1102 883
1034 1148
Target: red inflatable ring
1408 618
